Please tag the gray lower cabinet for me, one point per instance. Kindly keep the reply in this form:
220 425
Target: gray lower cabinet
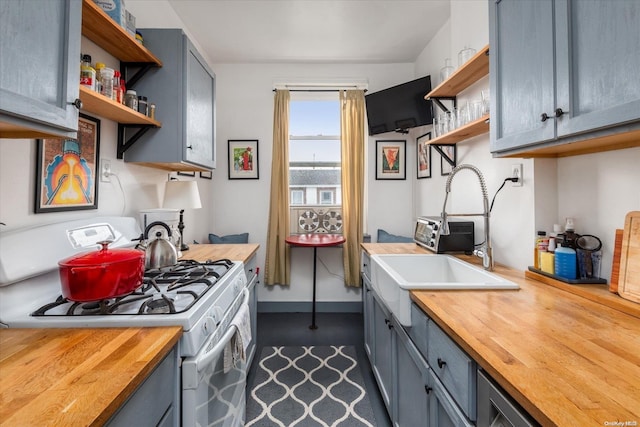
157 401
184 91
413 392
562 71
383 352
40 68
367 309
251 269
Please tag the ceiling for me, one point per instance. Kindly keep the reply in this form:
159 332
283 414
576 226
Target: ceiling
312 31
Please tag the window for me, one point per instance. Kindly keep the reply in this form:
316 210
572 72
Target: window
314 150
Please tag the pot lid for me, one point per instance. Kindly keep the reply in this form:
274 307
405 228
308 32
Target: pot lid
105 255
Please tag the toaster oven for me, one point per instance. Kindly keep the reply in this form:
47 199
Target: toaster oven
460 239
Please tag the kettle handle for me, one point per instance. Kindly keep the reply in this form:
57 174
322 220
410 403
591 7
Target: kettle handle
153 224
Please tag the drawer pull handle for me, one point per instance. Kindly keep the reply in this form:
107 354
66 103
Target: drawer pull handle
441 363
427 389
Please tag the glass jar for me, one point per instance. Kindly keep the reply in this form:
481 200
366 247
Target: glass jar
142 105
446 71
465 54
131 99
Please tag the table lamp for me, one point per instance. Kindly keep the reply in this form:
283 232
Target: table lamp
181 195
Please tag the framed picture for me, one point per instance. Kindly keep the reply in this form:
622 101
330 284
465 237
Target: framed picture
66 170
243 159
447 159
391 159
206 175
423 155
187 173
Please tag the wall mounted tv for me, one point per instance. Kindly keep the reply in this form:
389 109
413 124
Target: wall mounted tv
400 107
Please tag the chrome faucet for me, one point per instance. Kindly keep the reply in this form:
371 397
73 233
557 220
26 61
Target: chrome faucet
485 251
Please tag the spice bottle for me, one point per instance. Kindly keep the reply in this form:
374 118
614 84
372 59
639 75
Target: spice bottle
131 99
99 67
118 94
107 82
87 73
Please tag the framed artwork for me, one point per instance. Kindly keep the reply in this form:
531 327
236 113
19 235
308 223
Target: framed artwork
391 159
243 159
66 170
446 166
423 156
206 175
187 173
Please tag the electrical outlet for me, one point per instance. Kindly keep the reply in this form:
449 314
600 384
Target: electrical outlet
105 170
516 172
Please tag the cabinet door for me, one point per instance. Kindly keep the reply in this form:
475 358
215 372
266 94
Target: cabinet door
521 72
367 309
199 105
40 66
442 408
413 389
598 61
383 353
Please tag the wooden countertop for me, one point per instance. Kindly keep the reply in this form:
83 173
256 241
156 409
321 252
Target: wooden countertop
567 359
75 377
234 252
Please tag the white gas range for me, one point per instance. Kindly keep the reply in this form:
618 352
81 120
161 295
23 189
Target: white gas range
208 299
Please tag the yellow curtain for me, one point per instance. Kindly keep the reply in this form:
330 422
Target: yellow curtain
277 269
352 148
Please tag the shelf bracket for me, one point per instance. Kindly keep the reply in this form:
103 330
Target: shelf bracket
142 68
450 157
123 143
436 100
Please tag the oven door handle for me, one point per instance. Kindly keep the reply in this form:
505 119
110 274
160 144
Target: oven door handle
203 362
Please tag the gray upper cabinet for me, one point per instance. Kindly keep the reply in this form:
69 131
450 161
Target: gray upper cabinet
562 71
39 68
184 92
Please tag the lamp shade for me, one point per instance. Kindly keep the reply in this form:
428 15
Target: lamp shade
181 195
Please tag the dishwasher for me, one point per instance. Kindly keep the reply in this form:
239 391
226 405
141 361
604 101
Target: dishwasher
496 408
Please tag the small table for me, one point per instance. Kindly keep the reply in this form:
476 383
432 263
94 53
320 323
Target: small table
315 241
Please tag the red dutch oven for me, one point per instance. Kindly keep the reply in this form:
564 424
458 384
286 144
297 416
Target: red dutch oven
101 274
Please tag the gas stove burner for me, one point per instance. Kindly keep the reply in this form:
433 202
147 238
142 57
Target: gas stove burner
163 305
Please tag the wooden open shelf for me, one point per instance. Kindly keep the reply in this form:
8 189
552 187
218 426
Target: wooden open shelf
98 27
470 72
95 103
467 131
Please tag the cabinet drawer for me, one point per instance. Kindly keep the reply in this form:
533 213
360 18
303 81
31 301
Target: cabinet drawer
418 330
455 369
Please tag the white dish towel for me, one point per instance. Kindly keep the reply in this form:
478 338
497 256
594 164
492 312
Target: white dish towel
236 348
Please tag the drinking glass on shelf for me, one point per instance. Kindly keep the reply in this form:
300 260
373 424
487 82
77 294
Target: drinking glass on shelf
486 101
476 110
436 126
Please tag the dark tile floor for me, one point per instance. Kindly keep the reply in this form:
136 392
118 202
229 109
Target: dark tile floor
286 329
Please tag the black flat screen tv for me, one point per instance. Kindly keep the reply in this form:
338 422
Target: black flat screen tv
400 107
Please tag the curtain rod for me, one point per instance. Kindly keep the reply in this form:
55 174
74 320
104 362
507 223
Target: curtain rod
316 90
311 88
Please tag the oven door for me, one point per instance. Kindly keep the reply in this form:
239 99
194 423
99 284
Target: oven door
214 394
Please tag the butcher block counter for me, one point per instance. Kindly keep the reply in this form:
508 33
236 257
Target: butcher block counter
75 377
570 358
234 252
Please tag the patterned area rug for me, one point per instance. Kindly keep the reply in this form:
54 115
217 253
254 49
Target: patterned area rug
309 386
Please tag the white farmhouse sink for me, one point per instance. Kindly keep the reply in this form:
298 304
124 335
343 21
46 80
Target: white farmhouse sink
394 275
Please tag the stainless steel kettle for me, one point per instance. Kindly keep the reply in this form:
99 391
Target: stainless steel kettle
159 252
